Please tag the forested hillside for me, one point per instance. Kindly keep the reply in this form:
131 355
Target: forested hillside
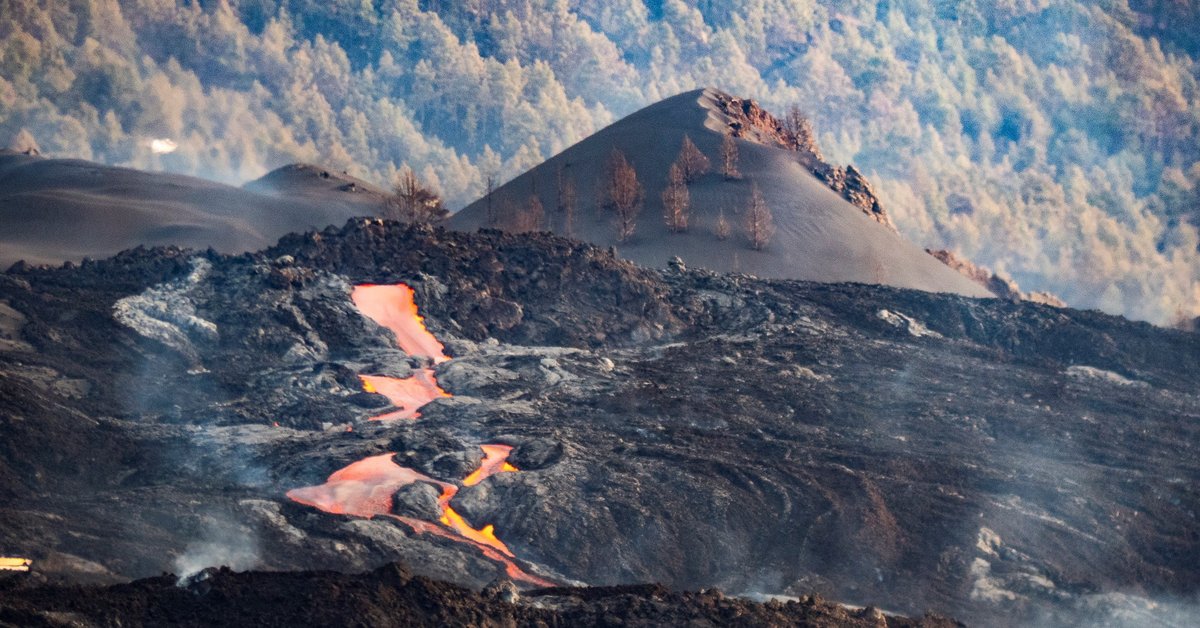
1055 140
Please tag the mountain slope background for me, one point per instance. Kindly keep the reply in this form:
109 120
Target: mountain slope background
1055 140
53 210
818 235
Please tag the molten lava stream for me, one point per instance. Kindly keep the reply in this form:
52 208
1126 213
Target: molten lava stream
362 489
365 489
393 307
451 519
408 394
15 564
495 460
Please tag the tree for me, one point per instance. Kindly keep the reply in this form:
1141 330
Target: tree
729 158
721 230
800 130
412 201
489 203
530 216
623 194
759 223
510 216
675 199
691 161
518 217
566 203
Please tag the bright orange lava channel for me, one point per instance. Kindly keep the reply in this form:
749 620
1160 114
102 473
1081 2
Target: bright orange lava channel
365 488
14 564
407 394
393 307
495 460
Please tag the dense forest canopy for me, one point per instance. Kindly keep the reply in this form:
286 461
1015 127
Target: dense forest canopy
1055 140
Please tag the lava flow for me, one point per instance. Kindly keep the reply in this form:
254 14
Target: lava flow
495 460
393 307
408 394
365 488
14 564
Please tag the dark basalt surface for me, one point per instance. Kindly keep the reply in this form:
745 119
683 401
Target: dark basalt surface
994 461
393 596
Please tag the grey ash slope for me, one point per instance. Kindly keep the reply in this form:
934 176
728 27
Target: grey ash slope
314 183
999 462
56 210
820 236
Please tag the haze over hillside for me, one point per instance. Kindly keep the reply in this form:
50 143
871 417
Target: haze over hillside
819 236
1056 141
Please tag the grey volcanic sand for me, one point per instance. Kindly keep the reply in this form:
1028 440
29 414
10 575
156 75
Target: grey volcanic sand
55 210
820 236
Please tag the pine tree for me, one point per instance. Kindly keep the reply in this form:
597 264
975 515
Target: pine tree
759 223
729 158
692 162
675 200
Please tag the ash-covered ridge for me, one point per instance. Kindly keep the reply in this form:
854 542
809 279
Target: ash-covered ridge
828 224
989 460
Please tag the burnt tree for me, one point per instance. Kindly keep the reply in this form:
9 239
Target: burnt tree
692 163
566 203
721 229
759 224
729 158
676 199
623 194
413 201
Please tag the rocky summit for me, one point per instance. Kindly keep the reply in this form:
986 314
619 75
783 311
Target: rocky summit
586 422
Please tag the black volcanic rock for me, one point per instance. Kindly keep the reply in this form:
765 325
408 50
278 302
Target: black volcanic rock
536 453
419 500
1000 462
392 596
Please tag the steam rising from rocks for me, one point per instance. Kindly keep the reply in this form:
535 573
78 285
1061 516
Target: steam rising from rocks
221 543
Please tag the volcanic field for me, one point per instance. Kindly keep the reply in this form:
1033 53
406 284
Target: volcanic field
490 406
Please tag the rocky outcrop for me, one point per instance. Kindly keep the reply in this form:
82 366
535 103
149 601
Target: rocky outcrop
747 120
999 285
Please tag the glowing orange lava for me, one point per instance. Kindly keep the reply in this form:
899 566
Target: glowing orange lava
495 460
408 394
450 518
393 307
14 564
365 488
